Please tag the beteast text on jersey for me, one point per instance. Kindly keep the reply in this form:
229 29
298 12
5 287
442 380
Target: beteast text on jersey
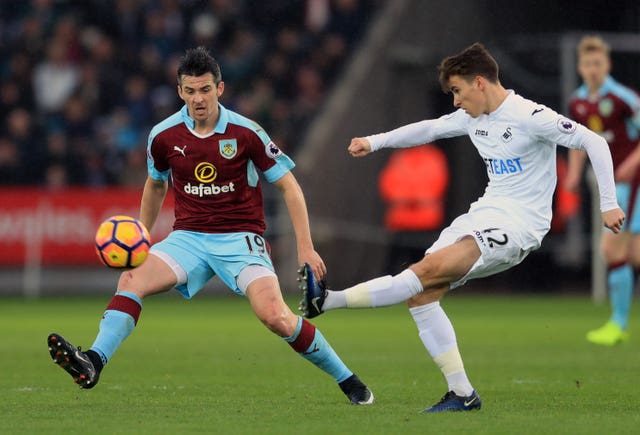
500 166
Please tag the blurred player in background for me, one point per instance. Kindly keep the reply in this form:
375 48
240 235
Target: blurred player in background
212 156
517 140
613 111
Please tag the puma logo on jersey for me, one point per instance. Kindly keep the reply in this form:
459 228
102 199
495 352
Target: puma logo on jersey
180 150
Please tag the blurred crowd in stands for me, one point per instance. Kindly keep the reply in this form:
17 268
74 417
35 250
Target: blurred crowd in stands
82 82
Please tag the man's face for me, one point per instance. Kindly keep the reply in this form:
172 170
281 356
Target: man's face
468 95
593 67
200 94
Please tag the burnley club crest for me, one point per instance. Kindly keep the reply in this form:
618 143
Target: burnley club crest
228 148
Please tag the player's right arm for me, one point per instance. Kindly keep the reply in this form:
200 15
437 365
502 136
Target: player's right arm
157 183
418 133
359 147
152 198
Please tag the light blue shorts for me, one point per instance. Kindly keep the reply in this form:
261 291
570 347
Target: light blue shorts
203 256
630 205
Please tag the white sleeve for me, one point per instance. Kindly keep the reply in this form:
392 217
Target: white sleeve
600 158
554 128
418 133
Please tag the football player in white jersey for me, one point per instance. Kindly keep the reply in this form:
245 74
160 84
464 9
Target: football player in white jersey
517 140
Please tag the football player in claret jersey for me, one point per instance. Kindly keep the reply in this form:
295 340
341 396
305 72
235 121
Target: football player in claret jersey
613 111
213 156
516 139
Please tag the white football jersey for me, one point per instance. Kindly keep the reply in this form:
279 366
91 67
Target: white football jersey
517 143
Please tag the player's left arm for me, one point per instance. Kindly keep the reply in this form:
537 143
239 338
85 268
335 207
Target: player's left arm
600 157
276 167
297 207
157 182
152 198
551 127
576 162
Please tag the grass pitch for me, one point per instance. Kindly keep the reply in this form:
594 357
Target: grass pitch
209 366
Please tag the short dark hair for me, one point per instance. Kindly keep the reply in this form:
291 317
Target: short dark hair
473 61
198 61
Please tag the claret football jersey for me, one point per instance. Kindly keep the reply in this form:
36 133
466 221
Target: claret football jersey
614 114
215 177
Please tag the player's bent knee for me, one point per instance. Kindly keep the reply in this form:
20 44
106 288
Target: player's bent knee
430 271
129 283
144 283
277 321
424 268
126 280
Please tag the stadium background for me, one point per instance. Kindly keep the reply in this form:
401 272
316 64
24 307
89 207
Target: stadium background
82 82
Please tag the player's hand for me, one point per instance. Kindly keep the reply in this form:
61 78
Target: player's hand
359 147
315 261
613 219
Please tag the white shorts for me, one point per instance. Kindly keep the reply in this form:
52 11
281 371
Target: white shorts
503 242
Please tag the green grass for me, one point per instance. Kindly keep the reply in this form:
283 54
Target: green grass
208 366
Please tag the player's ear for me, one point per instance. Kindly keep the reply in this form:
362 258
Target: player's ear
180 91
220 89
479 82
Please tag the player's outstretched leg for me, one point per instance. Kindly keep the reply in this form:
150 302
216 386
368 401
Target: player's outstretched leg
311 345
118 321
73 361
378 292
452 402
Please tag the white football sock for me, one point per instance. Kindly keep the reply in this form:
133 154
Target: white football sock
438 336
379 292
